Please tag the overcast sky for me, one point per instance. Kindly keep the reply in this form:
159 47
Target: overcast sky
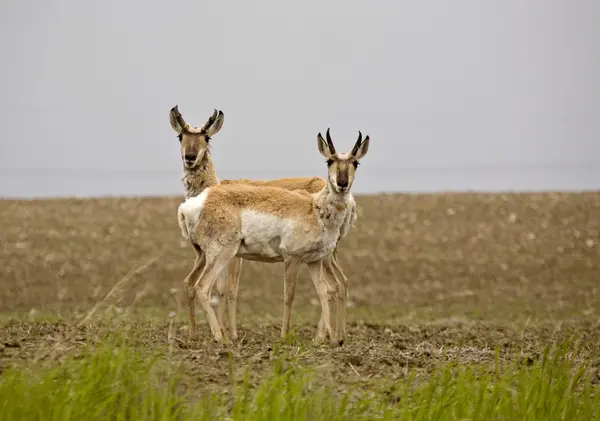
455 95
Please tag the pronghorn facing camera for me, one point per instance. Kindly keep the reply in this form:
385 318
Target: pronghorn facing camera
199 174
273 224
198 169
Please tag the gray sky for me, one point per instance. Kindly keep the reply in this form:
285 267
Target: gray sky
455 95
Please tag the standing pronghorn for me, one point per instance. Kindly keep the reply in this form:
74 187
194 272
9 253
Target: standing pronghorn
199 174
273 224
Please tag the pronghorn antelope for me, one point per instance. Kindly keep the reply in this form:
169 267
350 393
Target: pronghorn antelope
199 174
273 224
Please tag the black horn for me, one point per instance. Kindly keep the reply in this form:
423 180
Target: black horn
357 144
330 142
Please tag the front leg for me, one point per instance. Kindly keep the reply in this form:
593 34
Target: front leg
222 306
330 276
289 289
235 269
328 295
342 282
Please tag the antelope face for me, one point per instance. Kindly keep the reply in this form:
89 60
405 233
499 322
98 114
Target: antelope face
342 167
194 141
193 148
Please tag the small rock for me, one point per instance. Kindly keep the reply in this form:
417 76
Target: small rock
62 294
590 242
224 354
354 360
450 211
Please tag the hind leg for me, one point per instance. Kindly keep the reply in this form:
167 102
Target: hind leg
190 292
217 259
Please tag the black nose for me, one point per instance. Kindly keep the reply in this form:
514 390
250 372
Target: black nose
342 183
190 158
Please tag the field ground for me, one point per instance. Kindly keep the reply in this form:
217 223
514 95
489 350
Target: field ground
478 278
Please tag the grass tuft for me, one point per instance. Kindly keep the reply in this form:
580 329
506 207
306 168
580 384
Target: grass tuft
114 382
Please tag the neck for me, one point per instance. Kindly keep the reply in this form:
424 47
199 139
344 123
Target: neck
331 202
202 176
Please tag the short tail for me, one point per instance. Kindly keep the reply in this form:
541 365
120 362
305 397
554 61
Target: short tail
182 222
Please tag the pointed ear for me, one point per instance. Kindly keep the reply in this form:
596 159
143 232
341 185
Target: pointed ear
322 145
177 122
362 149
214 123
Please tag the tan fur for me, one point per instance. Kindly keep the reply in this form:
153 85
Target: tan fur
272 200
201 176
276 224
307 184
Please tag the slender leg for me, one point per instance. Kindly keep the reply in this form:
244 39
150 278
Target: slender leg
331 269
330 277
235 270
289 289
321 332
216 262
222 306
190 292
327 294
342 303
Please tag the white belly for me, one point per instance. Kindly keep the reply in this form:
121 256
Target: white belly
262 234
270 238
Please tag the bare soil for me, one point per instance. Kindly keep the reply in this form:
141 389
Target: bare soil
432 277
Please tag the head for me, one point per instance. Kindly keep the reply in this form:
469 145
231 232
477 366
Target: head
342 166
194 140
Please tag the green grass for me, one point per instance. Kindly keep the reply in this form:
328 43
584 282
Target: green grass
115 382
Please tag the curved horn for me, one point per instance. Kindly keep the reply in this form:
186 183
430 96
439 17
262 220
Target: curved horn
210 121
330 142
177 120
357 144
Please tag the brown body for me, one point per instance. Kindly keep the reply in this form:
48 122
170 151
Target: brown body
199 174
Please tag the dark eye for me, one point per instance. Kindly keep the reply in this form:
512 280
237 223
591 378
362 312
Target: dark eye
179 136
356 164
329 162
